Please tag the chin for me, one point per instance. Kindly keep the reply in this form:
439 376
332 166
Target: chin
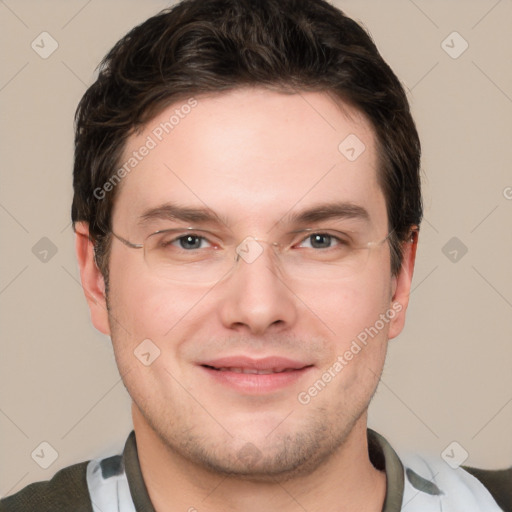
285 456
250 463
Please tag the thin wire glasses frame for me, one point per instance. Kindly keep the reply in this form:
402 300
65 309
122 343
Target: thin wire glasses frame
198 265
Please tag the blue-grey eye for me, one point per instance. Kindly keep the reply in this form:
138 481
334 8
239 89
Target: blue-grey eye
190 241
321 240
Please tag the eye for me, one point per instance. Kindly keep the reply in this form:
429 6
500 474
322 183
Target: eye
321 241
177 240
188 242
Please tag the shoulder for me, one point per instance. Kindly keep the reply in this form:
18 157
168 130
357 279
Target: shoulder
457 488
498 482
66 491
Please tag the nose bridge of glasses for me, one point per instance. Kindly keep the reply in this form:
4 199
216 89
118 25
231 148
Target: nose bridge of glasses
252 248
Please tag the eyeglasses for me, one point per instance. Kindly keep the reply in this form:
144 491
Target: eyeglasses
197 256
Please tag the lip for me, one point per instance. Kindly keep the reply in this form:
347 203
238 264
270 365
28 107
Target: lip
265 363
285 372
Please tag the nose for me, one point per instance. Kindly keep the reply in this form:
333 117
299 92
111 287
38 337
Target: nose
255 296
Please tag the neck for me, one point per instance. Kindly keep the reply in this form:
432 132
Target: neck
346 481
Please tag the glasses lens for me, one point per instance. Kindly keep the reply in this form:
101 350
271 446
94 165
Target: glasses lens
187 256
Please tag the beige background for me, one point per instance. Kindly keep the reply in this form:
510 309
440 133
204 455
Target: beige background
448 376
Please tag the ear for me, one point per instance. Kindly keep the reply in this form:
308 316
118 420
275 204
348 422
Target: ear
93 283
402 285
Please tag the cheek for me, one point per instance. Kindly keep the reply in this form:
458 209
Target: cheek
147 307
359 338
149 318
171 317
348 308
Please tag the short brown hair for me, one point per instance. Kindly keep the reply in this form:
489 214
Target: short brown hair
205 46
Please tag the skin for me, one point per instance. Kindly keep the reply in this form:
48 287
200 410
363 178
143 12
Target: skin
251 156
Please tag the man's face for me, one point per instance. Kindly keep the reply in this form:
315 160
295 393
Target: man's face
255 159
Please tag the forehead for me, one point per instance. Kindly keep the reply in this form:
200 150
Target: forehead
251 156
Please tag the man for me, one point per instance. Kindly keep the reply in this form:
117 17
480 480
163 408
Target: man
247 205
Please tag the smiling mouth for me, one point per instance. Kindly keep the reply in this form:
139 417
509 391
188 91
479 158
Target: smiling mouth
249 376
253 371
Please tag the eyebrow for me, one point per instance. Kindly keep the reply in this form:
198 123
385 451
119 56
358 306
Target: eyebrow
315 213
327 211
171 211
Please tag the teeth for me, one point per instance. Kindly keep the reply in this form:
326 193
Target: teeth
254 371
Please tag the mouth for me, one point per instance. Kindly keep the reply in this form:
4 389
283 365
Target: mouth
251 371
255 376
